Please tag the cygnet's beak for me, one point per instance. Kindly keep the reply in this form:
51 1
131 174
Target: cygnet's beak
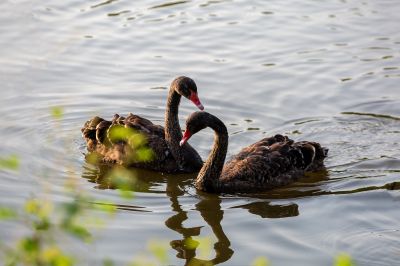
195 99
185 137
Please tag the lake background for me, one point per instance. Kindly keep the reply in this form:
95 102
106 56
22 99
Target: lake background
327 71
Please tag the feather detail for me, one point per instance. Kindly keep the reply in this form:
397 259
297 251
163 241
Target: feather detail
272 162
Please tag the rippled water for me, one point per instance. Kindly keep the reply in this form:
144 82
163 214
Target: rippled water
320 70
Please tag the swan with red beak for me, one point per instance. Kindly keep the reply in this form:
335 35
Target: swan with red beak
186 137
167 155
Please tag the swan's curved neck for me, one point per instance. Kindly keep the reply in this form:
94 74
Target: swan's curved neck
208 177
173 132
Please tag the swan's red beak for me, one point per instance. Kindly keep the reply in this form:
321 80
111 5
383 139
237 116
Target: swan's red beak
195 99
185 137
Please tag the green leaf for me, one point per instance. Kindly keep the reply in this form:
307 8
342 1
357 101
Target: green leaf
108 262
205 247
11 162
11 259
55 257
126 194
199 262
117 133
7 213
57 112
29 245
124 180
343 259
159 250
39 208
43 224
79 231
71 208
144 154
93 158
107 207
136 140
190 243
260 261
63 260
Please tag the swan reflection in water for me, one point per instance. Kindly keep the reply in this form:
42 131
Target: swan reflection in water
208 206
180 187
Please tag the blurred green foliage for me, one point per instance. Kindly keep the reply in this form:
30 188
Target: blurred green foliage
10 162
108 262
159 249
204 247
136 141
57 112
122 179
260 261
38 247
189 243
108 207
7 213
46 222
343 259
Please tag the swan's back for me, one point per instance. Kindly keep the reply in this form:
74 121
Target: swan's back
271 162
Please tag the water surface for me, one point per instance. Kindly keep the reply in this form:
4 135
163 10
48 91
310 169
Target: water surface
327 71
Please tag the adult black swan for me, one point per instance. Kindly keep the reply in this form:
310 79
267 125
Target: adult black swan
167 155
269 163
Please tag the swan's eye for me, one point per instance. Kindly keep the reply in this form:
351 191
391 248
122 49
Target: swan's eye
183 90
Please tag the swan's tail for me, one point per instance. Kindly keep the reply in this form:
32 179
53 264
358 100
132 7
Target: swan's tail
95 131
89 131
313 155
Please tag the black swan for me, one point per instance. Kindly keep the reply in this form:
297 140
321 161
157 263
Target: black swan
168 155
269 163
